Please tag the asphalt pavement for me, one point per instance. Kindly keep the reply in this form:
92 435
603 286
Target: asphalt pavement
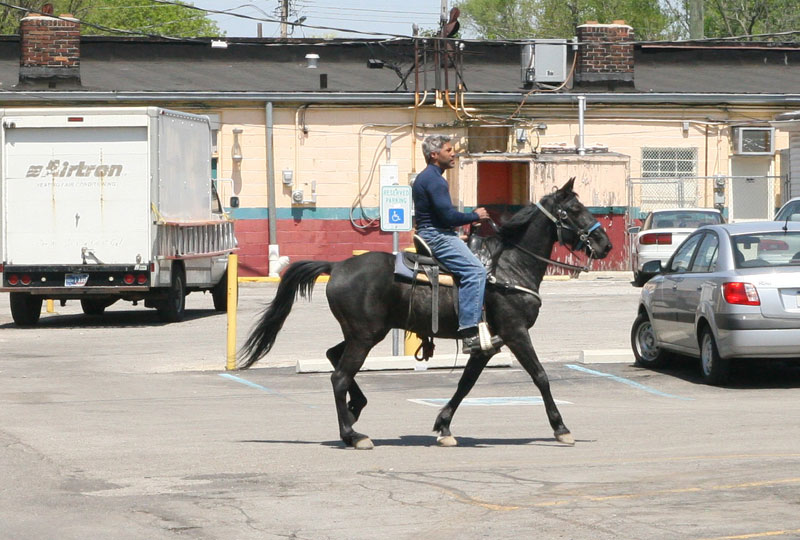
123 427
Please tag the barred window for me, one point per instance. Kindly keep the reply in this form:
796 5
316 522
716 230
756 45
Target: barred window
672 162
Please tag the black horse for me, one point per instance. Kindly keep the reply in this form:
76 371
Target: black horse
368 301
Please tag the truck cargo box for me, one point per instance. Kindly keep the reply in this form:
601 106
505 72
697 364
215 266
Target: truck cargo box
91 196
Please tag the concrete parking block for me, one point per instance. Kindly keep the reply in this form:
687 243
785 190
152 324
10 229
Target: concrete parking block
607 356
385 363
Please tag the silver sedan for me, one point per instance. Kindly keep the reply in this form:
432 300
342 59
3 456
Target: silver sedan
729 291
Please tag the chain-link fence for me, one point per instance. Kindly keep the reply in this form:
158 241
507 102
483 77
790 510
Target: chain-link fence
739 197
655 193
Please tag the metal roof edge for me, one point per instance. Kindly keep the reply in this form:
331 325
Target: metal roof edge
406 98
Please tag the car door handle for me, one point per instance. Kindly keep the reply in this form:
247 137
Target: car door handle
675 287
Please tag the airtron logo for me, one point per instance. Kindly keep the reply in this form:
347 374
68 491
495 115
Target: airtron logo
63 169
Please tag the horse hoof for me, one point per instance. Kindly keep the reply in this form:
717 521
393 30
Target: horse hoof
566 438
447 441
363 444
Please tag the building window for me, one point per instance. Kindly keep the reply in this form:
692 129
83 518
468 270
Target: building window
671 162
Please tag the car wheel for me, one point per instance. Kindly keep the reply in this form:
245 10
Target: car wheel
643 341
716 370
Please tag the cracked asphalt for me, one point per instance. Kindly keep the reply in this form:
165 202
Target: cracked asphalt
122 427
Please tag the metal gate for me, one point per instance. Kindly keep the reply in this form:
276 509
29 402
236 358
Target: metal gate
740 198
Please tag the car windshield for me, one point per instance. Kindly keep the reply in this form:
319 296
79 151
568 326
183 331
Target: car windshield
791 212
760 250
683 219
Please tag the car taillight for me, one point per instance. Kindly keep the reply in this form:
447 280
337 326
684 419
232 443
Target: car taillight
656 238
128 279
25 279
141 279
744 294
13 279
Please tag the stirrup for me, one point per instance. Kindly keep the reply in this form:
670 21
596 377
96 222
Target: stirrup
487 340
483 342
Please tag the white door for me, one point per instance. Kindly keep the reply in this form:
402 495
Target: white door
752 192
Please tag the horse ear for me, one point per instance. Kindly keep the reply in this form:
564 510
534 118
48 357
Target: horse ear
566 189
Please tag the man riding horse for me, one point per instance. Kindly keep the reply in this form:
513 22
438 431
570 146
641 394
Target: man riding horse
436 217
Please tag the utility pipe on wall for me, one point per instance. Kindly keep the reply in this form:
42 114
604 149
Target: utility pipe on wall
274 251
581 112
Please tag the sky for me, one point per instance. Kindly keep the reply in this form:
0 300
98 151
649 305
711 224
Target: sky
389 16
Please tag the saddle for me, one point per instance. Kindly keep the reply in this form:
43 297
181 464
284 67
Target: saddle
423 267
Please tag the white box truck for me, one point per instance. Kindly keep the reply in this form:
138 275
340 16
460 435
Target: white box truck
103 204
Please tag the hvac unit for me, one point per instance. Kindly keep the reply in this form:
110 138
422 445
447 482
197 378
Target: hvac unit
753 141
544 61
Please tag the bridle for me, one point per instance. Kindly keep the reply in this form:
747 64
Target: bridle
564 222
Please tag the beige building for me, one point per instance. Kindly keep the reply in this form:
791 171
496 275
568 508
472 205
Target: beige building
308 130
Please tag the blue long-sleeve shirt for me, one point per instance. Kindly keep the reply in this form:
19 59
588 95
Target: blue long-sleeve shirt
432 206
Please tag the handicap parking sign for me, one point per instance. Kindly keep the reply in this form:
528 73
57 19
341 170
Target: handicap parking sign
396 208
396 215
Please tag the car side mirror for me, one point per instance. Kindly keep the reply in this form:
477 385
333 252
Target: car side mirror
633 230
234 202
651 268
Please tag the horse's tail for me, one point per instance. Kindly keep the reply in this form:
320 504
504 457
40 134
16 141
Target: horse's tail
298 279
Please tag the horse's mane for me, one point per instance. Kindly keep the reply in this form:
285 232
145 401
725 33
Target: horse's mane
518 223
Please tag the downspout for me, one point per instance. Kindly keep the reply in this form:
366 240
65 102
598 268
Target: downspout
581 112
275 265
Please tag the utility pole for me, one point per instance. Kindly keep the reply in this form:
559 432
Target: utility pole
284 17
696 16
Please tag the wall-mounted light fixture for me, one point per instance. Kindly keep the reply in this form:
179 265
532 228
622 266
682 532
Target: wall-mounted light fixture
288 177
236 151
312 60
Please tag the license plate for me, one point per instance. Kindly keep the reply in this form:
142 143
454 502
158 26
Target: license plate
75 280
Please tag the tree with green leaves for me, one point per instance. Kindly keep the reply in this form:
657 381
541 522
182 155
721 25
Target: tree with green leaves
524 19
728 18
499 19
142 16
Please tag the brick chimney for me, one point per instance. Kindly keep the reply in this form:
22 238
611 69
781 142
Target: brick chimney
605 54
50 51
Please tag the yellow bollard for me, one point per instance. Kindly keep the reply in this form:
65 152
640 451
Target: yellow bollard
233 293
412 343
50 306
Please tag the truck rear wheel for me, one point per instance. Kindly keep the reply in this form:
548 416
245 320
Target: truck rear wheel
220 293
173 309
25 308
93 306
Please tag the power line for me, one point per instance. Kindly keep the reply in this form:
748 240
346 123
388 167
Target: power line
392 36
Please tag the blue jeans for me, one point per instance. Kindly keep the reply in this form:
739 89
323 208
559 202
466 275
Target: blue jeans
453 252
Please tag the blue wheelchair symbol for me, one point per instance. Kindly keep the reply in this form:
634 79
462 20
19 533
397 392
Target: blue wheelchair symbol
396 215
